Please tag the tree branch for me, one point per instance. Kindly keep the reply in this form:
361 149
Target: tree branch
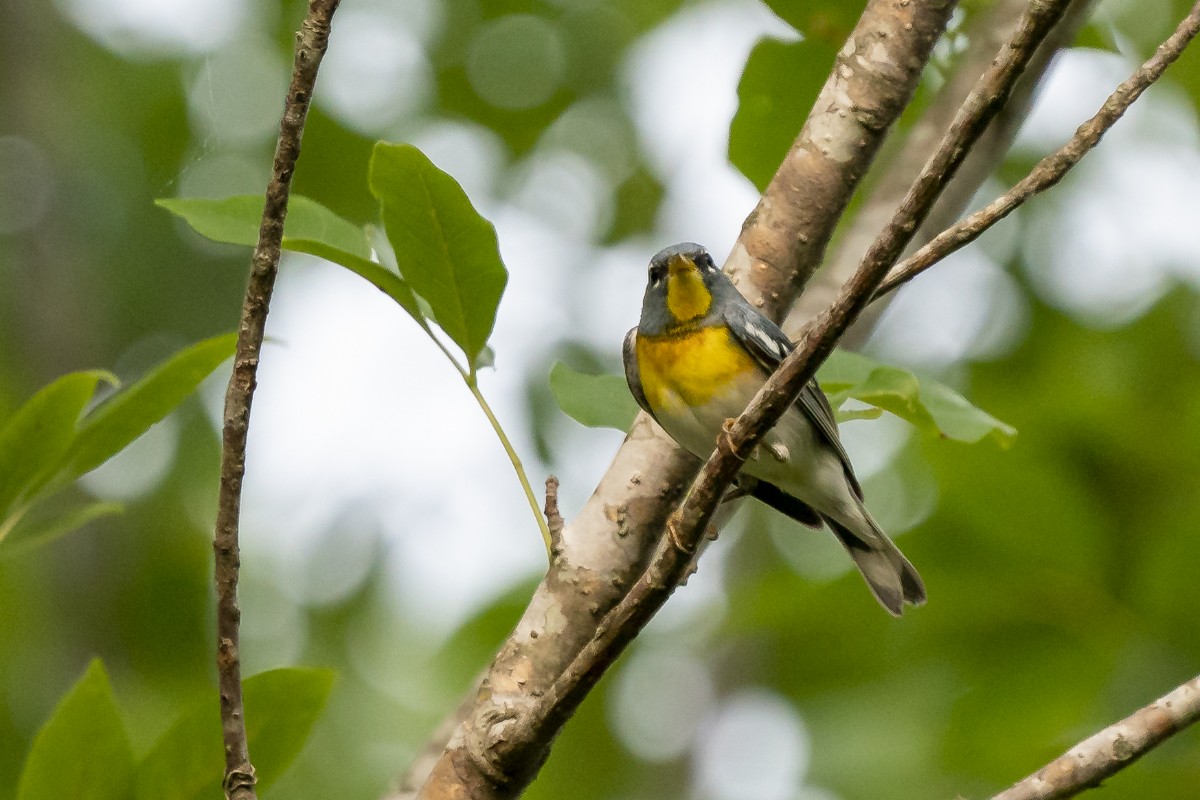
1106 753
311 41
687 525
986 34
1051 169
505 737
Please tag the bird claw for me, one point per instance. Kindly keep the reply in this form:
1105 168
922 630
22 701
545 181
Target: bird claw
673 535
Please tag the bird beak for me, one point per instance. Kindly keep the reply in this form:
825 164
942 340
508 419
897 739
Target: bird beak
679 264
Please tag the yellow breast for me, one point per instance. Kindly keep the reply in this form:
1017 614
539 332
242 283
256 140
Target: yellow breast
691 367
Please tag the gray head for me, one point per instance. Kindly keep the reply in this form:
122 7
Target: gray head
683 283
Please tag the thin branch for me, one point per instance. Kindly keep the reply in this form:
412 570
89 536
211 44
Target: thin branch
311 41
986 34
1051 169
687 525
1106 753
739 437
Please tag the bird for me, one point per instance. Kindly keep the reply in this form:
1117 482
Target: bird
699 354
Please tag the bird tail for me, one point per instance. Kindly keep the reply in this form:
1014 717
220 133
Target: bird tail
892 579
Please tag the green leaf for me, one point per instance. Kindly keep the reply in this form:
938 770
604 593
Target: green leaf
960 420
311 228
27 532
379 276
897 391
930 406
778 88
598 401
603 401
281 707
444 249
828 20
82 752
235 220
128 414
37 436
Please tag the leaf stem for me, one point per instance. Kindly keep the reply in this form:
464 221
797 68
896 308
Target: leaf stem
7 525
473 385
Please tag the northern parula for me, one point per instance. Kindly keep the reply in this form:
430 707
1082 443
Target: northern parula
697 357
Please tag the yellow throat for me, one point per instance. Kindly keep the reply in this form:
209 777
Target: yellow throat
687 296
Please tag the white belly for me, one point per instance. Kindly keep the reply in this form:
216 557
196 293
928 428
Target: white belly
790 455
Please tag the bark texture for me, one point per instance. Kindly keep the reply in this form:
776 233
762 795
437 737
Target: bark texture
1106 753
505 737
311 41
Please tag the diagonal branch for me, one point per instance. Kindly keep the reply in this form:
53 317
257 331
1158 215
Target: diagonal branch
687 526
797 369
986 33
1051 169
505 737
311 42
1106 753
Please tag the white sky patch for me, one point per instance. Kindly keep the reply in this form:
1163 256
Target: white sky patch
660 697
234 98
682 81
356 409
376 71
1113 242
1109 241
966 306
158 27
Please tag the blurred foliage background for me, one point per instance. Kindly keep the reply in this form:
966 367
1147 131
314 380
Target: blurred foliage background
1061 571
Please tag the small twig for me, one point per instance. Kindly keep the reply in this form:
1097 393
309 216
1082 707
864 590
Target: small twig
311 42
554 519
1106 753
1051 169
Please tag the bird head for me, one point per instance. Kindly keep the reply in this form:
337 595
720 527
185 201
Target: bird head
681 285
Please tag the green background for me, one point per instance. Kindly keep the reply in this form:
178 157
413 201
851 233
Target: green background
1061 571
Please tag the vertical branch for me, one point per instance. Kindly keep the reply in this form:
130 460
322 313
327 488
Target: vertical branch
311 42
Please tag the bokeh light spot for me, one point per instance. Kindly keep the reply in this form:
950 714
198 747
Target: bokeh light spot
237 96
377 71
157 27
567 192
661 696
756 748
26 184
516 62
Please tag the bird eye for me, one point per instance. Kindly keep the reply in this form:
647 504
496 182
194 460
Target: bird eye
705 261
657 273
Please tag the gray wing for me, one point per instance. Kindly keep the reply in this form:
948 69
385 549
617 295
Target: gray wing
633 375
768 345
